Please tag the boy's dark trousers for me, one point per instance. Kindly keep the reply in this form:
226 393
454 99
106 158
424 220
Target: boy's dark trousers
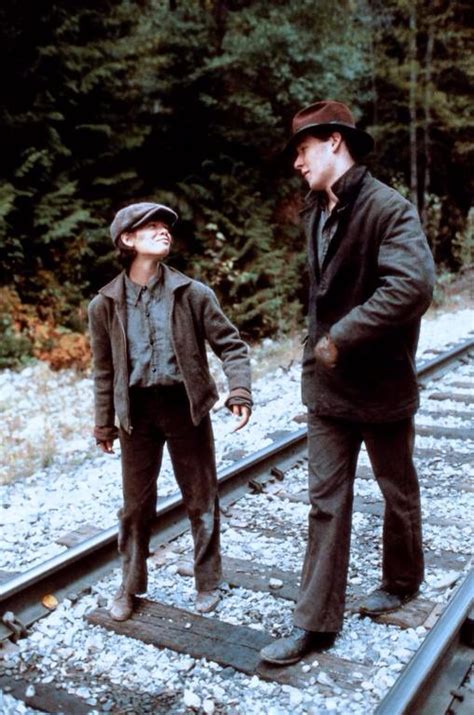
159 415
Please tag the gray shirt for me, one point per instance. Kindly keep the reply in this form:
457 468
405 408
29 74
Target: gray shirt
325 230
150 348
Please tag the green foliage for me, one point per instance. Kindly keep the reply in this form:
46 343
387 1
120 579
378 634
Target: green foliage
442 68
15 348
463 244
189 103
239 249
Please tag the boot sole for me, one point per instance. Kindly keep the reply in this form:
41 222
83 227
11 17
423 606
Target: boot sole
287 661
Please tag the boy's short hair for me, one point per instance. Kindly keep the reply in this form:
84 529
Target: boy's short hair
125 254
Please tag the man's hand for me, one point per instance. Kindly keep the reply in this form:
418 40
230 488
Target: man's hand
326 352
243 412
106 446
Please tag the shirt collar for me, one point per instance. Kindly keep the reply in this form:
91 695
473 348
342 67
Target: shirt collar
345 188
135 291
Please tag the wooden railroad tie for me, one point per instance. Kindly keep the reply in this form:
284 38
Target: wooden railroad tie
229 645
238 647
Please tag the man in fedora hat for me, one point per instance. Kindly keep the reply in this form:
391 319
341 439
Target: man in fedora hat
371 279
149 328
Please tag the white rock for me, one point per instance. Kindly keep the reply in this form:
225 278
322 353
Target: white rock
218 692
186 665
324 679
296 697
191 700
275 583
208 706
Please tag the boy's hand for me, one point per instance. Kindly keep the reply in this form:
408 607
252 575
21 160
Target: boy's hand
106 446
243 412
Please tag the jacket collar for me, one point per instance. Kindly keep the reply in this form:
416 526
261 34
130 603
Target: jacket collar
346 188
116 288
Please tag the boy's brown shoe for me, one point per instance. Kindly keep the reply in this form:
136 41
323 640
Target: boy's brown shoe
122 605
206 601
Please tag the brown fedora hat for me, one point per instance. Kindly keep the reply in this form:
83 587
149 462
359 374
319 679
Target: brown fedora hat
326 115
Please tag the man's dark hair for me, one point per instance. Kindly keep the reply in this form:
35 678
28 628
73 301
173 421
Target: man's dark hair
324 135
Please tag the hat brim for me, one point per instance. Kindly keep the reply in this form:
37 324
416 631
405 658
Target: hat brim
360 141
167 215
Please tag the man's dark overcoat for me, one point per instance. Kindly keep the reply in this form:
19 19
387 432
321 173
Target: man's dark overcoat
375 283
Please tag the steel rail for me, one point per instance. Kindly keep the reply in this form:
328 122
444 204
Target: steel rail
92 558
427 367
74 569
413 685
243 468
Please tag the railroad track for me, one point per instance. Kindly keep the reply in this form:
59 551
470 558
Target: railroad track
255 496
439 677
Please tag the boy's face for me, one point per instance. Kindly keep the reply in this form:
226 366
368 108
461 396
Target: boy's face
153 239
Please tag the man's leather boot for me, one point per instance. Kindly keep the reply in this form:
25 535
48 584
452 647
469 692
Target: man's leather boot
381 601
299 643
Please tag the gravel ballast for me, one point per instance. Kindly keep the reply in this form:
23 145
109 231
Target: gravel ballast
69 484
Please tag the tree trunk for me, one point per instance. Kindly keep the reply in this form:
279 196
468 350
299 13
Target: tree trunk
220 16
427 120
412 105
373 67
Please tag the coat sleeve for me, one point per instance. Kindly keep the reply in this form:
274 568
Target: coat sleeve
225 341
103 370
405 280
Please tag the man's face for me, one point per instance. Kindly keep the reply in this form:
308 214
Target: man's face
153 239
315 160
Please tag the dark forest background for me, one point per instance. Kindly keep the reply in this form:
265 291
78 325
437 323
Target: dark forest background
188 102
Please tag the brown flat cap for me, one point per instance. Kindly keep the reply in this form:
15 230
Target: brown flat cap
329 114
136 215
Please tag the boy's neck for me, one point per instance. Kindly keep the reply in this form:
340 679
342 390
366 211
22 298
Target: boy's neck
143 269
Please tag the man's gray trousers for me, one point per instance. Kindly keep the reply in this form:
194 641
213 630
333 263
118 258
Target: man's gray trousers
333 449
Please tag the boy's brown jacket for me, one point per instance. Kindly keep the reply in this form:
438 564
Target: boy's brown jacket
196 316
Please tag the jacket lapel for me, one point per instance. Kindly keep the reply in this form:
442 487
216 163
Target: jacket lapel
346 189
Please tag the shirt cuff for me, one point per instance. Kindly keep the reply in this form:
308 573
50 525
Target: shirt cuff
105 434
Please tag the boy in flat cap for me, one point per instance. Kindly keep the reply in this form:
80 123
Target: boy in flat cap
149 328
